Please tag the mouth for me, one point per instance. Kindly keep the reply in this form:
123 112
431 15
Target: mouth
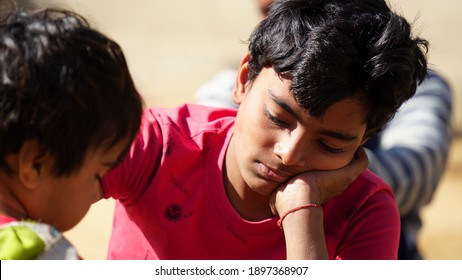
274 175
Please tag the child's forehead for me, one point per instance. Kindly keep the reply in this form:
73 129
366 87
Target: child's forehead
282 86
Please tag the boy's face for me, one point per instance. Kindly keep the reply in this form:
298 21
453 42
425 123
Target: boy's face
65 200
275 139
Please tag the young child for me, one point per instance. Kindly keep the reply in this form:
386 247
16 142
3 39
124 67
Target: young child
283 176
68 113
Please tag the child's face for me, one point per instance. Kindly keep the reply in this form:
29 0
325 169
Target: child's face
66 200
275 139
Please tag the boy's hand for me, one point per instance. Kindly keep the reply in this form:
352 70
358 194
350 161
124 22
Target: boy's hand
317 187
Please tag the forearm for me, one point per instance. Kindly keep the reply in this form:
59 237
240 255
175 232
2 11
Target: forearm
304 235
298 204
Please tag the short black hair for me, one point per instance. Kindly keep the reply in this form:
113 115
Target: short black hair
66 85
337 49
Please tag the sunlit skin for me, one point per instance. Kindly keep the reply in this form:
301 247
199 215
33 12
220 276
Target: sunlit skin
275 140
36 193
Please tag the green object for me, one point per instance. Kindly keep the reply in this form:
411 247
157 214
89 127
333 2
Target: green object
19 242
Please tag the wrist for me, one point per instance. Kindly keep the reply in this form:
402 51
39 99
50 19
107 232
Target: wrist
305 207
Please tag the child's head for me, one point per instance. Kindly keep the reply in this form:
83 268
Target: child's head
320 78
66 95
332 50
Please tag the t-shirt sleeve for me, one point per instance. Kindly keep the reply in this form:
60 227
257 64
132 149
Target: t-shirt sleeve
128 181
373 233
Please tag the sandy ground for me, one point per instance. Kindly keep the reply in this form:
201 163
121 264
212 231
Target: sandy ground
174 46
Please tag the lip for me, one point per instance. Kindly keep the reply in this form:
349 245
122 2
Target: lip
274 175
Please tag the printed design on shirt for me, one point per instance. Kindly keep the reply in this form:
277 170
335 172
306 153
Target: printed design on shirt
175 213
170 146
178 184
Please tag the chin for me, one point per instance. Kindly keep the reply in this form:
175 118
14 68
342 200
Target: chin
264 187
64 227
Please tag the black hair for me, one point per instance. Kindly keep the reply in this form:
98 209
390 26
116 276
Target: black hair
337 49
64 84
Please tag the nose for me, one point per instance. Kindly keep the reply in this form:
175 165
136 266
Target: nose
291 150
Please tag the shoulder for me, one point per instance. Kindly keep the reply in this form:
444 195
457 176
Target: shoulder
370 191
367 195
189 111
167 134
363 222
373 182
22 240
190 119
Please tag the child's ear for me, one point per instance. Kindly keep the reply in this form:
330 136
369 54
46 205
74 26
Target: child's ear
32 164
241 81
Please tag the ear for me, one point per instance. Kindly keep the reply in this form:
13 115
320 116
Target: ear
32 164
241 81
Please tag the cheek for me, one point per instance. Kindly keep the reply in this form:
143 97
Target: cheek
252 132
259 141
84 191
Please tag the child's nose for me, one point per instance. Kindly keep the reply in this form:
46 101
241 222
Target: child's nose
291 151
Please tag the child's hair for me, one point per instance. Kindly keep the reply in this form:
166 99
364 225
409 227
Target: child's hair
64 84
336 49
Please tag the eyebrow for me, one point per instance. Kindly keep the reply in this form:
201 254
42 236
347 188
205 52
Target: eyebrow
334 134
339 135
283 104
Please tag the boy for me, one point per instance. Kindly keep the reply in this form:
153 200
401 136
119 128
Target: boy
68 113
270 180
410 154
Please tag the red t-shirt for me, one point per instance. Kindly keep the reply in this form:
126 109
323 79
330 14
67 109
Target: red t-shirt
171 201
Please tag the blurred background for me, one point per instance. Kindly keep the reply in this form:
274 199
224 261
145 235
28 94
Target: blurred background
173 46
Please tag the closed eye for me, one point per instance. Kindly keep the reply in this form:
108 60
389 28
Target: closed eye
274 119
330 149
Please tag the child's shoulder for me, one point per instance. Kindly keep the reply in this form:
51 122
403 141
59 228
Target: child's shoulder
367 177
367 185
365 188
23 240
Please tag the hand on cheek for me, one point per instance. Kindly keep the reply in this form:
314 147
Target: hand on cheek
317 187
